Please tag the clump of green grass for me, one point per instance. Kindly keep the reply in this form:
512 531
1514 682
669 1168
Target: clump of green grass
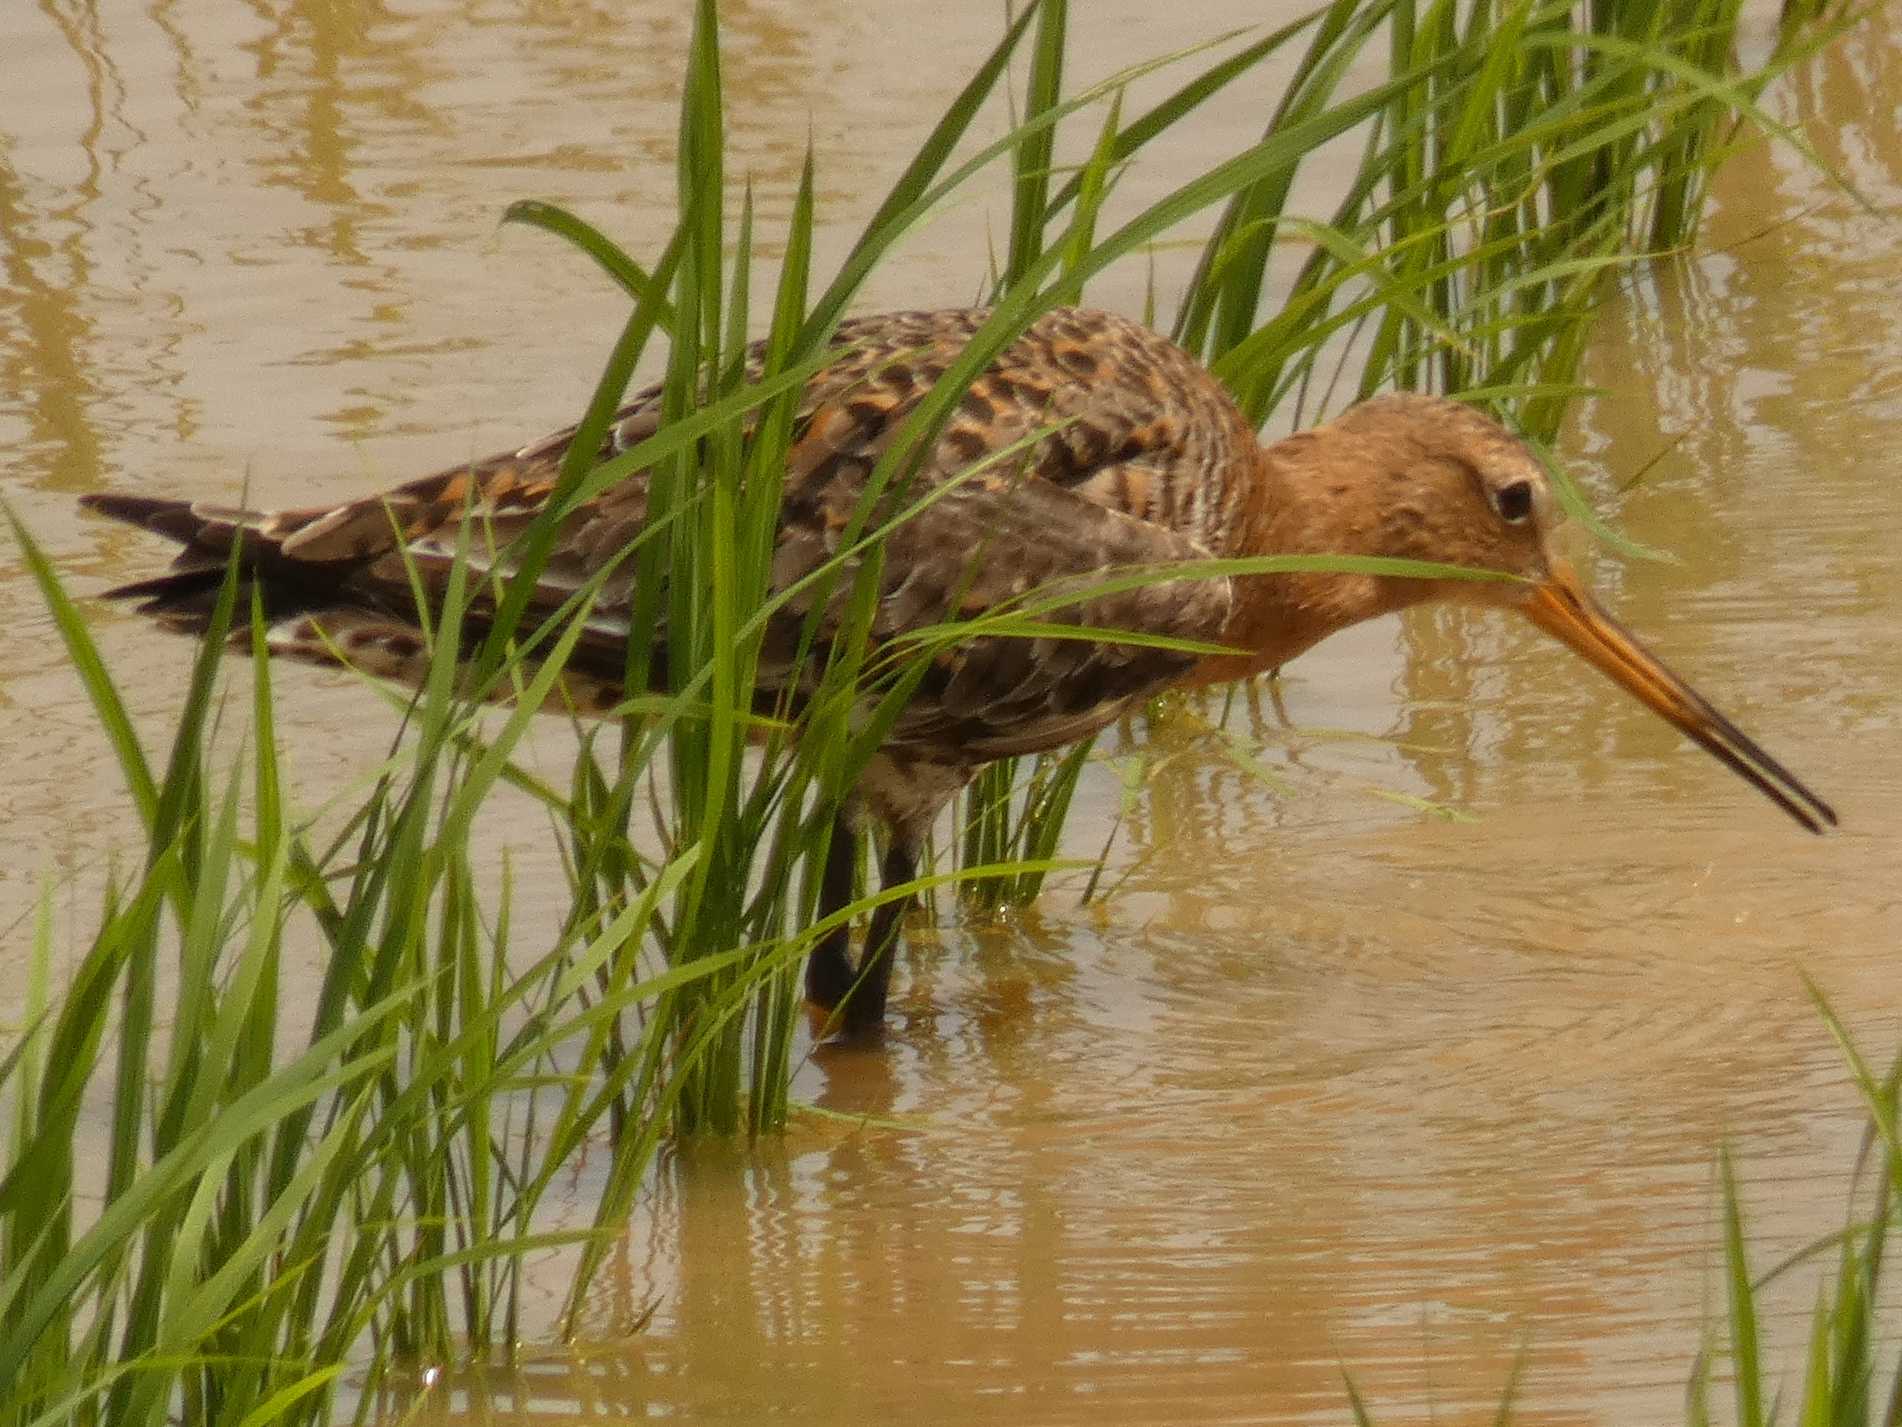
1852 1371
271 1197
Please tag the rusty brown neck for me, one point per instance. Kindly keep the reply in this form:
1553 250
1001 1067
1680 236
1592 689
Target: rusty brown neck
1313 493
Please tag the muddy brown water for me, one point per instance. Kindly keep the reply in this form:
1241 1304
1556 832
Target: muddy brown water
1328 1084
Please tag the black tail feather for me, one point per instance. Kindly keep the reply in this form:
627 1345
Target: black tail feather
288 587
174 519
184 597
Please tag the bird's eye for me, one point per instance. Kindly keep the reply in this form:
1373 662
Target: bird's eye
1514 501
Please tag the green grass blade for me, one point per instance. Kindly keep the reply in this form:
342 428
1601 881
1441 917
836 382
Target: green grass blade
641 286
1746 1363
107 706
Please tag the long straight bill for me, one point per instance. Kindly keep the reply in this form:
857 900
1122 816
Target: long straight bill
1564 609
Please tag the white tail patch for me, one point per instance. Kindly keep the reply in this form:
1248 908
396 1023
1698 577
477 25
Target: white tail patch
393 650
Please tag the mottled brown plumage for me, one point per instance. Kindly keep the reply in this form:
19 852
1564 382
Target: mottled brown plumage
1143 460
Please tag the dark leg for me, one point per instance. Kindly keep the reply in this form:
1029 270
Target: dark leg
865 1007
829 973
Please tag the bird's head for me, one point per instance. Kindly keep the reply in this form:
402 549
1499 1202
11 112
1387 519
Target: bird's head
1425 478
1437 481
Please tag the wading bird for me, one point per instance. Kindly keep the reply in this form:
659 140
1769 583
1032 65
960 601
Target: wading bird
1131 455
